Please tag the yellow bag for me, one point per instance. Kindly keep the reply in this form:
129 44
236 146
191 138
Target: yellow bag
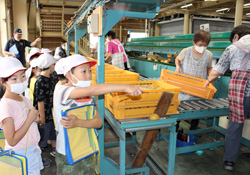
11 163
2 139
80 142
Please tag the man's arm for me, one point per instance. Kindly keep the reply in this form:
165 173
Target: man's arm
34 43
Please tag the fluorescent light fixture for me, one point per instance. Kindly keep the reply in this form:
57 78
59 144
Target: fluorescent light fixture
248 14
220 10
185 6
246 4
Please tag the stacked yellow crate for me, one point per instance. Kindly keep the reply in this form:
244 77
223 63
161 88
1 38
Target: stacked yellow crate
124 106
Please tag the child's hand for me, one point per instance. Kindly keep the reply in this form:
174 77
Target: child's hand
33 114
134 90
70 122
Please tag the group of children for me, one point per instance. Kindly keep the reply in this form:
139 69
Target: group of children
27 120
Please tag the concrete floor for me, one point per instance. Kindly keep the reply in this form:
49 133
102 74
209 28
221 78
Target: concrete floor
210 163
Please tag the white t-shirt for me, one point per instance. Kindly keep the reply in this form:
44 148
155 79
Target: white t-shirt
61 102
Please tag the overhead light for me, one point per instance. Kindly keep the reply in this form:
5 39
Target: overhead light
211 0
246 4
248 14
220 10
185 6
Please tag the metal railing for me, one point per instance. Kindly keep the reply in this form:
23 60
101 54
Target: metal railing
57 26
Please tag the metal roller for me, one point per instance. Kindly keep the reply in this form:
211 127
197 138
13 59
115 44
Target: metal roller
199 104
214 103
186 107
220 102
192 105
207 104
222 99
180 109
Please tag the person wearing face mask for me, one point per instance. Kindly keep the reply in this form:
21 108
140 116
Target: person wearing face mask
18 116
116 52
20 45
43 100
60 52
77 92
236 57
195 61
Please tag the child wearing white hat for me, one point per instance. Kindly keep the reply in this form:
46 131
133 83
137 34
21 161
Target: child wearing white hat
18 116
43 99
59 68
78 92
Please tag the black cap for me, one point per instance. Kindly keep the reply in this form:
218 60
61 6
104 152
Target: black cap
18 31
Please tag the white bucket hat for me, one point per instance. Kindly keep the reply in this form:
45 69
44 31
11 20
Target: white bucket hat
74 61
9 66
45 50
59 67
33 51
45 61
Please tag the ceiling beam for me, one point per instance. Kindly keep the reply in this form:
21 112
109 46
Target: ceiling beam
60 3
207 4
195 12
176 5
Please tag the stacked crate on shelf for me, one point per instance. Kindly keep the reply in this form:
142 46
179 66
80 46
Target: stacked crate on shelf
117 76
189 84
124 106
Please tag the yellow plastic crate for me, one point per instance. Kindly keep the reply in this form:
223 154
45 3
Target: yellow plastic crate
125 106
145 110
117 75
152 94
189 84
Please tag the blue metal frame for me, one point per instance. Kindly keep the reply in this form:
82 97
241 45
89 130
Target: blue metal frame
121 129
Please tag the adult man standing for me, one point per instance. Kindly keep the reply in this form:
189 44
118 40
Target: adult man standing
20 45
61 51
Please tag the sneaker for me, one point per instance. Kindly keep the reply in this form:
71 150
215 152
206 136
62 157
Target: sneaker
53 152
46 163
228 165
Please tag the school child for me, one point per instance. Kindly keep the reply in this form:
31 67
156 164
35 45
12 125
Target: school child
31 72
76 92
18 116
43 101
59 67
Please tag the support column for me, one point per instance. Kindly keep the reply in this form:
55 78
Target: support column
3 25
38 27
20 13
186 24
120 32
62 25
157 29
238 12
79 33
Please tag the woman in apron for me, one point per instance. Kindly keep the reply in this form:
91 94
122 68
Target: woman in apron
195 61
236 57
116 52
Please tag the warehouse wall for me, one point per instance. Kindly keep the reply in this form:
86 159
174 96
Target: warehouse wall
174 27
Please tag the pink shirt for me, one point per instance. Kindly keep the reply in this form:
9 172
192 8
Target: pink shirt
113 48
18 111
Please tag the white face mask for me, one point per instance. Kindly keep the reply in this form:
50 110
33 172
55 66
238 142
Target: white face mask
19 88
63 47
199 49
38 73
79 83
